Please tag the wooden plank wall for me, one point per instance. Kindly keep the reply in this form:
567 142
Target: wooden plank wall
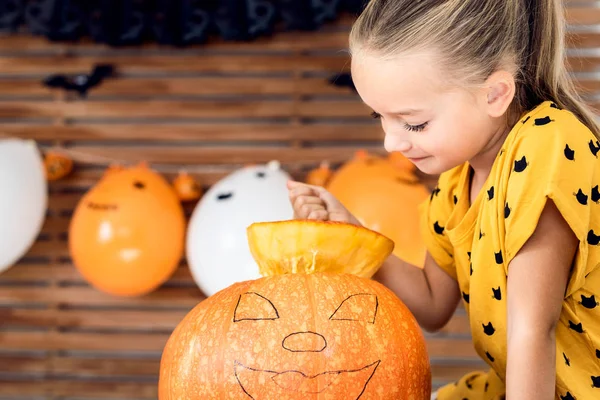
211 109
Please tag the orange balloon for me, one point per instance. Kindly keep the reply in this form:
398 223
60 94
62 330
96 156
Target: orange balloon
384 195
127 234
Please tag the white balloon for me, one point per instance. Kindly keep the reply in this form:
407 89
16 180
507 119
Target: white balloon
217 245
23 201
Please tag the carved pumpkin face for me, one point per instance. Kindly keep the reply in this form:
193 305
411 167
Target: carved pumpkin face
320 336
127 233
57 165
384 195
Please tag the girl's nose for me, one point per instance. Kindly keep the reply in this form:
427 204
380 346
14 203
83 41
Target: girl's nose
394 143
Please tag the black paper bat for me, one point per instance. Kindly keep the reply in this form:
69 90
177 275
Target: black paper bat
80 83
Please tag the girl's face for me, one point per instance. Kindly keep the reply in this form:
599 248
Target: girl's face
433 124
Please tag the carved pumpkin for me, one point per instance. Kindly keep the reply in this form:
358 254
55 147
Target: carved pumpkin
127 233
384 195
57 165
319 336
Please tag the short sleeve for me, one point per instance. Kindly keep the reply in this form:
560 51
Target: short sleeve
434 214
554 157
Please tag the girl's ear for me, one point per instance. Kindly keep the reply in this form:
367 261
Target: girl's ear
500 90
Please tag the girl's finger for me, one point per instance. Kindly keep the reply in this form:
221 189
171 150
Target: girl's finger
304 210
321 215
308 200
302 191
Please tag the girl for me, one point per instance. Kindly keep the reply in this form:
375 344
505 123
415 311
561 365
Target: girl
476 91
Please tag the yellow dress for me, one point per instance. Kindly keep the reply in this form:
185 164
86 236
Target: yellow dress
548 154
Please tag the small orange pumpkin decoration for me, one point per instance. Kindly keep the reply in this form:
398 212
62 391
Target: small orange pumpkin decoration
320 175
299 336
384 195
127 233
57 165
186 187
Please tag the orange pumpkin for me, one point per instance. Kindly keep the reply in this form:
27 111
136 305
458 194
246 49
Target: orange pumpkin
127 233
384 195
320 175
298 336
57 165
186 187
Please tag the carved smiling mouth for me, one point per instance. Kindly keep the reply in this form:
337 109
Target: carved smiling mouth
265 384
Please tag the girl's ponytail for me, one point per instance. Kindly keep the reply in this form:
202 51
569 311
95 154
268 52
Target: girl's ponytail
544 74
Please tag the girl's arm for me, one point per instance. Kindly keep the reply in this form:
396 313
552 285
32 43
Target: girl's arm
429 293
537 280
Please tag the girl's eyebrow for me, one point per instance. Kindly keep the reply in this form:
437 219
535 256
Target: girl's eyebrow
407 112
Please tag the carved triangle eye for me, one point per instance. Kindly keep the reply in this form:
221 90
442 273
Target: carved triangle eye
357 307
254 307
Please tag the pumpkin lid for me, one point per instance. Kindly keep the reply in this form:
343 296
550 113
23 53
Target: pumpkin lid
307 246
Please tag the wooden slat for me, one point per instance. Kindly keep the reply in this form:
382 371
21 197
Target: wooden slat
106 367
183 109
23 273
583 40
128 64
92 319
180 86
246 132
587 86
583 63
81 367
219 155
583 15
147 109
183 297
53 340
70 388
281 41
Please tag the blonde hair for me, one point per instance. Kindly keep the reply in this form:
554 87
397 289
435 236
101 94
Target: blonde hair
474 38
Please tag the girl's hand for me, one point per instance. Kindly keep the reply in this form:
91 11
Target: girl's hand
315 202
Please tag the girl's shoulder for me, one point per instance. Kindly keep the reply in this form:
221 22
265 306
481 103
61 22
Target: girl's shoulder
550 128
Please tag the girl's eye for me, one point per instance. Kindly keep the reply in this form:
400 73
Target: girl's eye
412 128
415 128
